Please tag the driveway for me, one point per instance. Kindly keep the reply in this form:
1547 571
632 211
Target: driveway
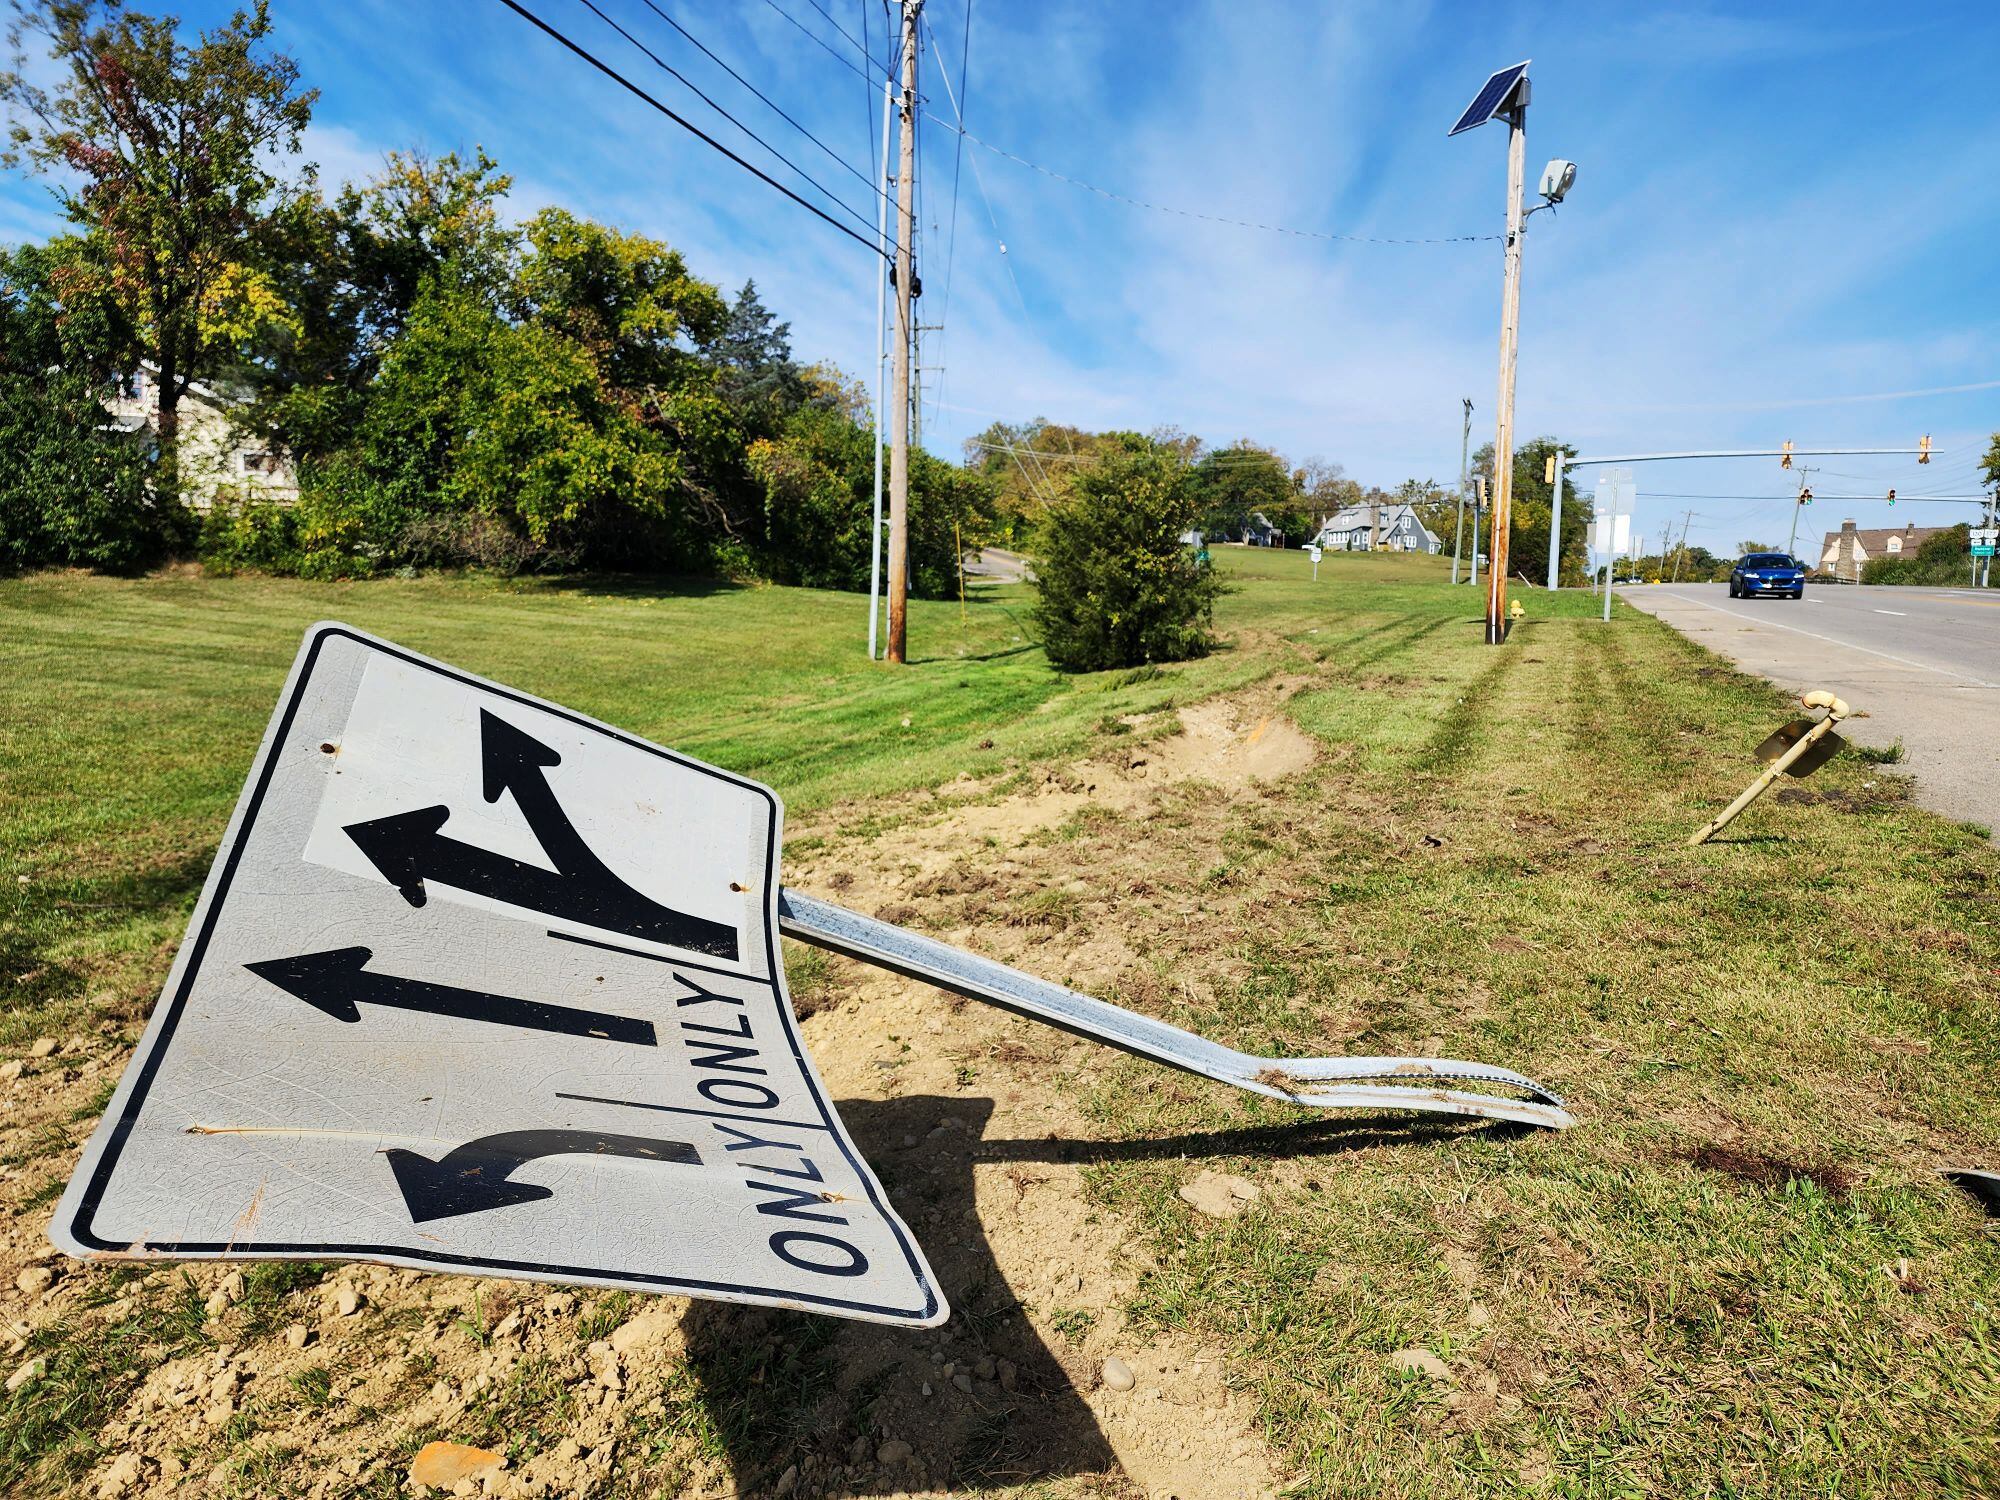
1922 663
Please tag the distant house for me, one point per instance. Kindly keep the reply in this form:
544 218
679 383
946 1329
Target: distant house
1353 530
1847 551
1259 532
217 458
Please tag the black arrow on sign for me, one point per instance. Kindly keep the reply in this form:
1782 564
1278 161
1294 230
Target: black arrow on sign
473 1177
410 848
338 983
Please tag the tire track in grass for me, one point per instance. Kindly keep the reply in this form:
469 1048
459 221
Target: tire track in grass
1460 728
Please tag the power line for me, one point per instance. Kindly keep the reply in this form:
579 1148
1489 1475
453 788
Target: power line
680 78
957 161
857 46
845 165
821 42
692 129
1189 213
979 182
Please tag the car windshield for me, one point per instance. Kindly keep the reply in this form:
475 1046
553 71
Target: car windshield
1767 560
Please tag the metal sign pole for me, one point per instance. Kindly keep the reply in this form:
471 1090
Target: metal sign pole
1326 1082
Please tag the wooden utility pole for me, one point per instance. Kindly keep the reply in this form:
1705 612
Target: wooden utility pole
899 438
1510 325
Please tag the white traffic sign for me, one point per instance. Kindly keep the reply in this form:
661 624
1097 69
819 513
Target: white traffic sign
480 985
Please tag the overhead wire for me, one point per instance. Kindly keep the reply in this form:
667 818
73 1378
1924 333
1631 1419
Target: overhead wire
1189 213
776 108
672 72
838 56
695 130
957 161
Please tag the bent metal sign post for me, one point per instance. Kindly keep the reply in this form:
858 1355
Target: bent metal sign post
478 984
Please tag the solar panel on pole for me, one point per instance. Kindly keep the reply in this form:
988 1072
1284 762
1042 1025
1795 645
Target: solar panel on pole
1490 100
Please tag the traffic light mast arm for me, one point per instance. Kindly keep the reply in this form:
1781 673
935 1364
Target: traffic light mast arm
1921 453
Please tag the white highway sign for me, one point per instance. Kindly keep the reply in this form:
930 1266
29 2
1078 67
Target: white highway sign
480 985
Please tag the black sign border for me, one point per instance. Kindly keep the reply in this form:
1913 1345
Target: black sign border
203 929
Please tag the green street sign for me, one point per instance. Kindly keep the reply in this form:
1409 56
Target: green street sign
1986 551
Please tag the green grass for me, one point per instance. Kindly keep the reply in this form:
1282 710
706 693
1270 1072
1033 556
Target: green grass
1739 1276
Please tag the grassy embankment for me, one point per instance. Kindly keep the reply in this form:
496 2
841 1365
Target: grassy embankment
1739 1276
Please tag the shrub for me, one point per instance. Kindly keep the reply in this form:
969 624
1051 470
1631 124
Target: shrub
72 494
1118 586
1943 558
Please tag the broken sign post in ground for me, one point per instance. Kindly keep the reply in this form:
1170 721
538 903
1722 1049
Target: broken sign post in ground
1795 749
478 984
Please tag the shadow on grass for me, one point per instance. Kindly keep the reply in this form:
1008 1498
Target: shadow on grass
1319 1136
790 1390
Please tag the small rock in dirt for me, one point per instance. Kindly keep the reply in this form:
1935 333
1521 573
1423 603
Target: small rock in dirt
348 1301
217 1304
568 1451
984 1369
963 1381
11 1070
1219 1195
445 1465
893 1452
1420 1362
1478 1316
1118 1375
231 1286
32 1370
927 1388
298 1335
35 1280
1008 1375
787 1481
44 1047
121 1475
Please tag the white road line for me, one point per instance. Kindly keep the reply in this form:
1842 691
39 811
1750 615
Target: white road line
1897 612
1845 645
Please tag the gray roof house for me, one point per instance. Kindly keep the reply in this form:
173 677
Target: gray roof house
1353 530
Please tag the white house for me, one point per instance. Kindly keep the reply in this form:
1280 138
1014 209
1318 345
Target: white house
1353 530
217 457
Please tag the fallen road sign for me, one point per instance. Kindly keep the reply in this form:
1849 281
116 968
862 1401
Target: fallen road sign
478 984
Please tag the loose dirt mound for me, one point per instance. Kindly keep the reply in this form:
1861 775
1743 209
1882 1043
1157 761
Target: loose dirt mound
328 1384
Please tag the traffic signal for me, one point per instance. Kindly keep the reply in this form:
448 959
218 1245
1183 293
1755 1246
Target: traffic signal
1892 497
1786 461
1550 476
1924 449
1805 497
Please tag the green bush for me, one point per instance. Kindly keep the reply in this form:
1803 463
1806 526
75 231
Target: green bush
1118 587
1943 558
71 493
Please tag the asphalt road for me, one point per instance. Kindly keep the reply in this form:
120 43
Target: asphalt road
1922 663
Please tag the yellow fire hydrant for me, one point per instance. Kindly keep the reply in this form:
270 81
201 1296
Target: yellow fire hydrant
1798 749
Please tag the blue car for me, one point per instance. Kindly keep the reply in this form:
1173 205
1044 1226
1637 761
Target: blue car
1767 573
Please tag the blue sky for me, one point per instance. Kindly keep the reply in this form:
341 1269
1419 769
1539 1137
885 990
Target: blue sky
1780 210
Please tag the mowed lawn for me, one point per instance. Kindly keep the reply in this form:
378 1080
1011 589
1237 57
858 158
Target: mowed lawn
1741 1275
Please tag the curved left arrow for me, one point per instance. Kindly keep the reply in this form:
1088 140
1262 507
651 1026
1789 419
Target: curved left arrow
473 1178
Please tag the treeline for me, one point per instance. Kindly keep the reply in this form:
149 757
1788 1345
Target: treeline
448 388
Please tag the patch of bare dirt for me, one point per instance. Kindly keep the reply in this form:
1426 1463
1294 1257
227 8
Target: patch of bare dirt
1769 1172
972 1118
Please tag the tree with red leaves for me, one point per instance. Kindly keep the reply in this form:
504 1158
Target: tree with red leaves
176 145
